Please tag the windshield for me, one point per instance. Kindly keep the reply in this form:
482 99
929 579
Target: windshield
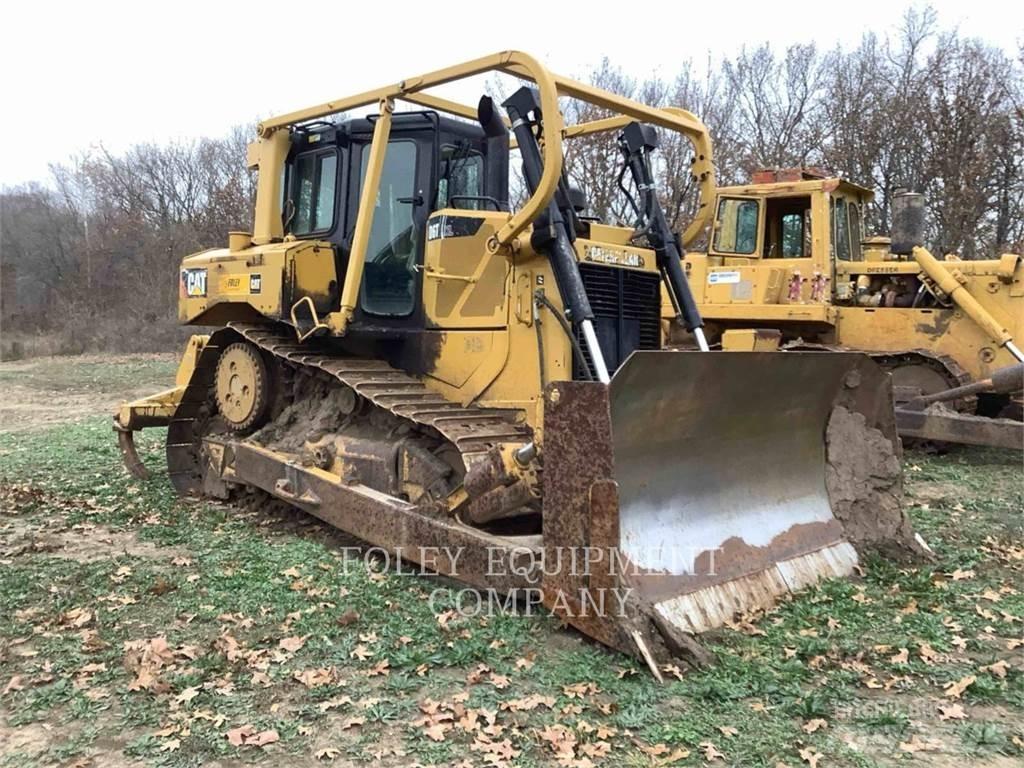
389 274
737 226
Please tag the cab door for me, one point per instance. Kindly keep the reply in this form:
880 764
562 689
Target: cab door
735 251
464 285
390 285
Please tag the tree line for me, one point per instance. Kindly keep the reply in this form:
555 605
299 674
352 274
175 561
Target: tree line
88 259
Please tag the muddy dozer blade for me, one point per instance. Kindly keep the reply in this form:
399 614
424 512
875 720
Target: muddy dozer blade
724 481
720 460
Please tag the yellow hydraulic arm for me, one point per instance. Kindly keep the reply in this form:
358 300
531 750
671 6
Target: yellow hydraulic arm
949 284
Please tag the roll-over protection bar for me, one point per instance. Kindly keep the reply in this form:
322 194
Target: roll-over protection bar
269 151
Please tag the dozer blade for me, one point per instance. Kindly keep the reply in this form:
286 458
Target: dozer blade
719 481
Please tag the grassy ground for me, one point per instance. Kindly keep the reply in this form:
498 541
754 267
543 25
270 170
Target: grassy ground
141 630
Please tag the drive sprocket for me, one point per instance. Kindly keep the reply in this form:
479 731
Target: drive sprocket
242 387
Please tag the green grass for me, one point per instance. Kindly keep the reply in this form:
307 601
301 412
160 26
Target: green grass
196 573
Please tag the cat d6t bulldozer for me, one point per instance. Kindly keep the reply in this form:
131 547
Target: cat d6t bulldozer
401 354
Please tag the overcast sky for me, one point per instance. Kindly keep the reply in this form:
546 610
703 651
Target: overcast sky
75 75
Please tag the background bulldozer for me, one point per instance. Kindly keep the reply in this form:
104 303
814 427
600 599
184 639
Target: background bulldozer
402 355
788 253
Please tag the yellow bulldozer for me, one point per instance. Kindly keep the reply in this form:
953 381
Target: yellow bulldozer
787 252
484 391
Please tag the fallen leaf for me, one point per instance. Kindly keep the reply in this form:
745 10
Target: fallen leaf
237 736
711 752
813 725
728 730
579 690
955 690
187 695
928 654
327 753
352 722
348 617
900 658
998 668
436 731
262 738
14 684
361 652
951 712
170 745
596 749
291 644
810 756
76 617
528 703
314 678
499 681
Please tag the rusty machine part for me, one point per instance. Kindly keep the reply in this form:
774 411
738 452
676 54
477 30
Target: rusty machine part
380 362
926 417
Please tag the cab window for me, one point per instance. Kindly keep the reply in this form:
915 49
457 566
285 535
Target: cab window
737 226
461 182
310 207
840 229
856 235
389 275
788 228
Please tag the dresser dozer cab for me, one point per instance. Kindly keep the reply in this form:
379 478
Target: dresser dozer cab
483 390
788 253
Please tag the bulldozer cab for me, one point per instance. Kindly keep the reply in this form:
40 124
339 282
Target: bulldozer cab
431 163
775 245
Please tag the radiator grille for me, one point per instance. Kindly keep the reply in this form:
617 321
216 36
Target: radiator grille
627 312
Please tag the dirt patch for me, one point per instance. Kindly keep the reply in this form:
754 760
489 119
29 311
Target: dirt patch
27 741
54 390
944 748
932 491
84 543
49 534
32 741
865 485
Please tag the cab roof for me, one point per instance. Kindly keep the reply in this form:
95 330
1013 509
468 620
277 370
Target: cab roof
806 186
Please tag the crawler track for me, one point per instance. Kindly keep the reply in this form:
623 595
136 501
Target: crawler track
471 430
